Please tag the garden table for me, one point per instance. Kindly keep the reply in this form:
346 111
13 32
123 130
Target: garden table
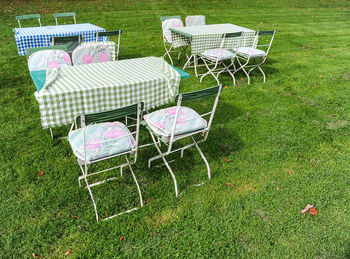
203 37
32 37
73 90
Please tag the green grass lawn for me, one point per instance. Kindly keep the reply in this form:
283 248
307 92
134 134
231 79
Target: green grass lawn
287 141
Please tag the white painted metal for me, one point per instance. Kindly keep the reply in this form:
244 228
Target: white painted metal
170 140
84 164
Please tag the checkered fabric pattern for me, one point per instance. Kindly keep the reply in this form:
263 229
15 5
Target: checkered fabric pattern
71 91
202 38
110 44
32 37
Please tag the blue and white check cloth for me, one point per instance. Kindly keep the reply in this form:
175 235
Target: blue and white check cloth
33 37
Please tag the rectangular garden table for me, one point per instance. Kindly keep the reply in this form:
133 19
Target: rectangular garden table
203 37
32 37
73 90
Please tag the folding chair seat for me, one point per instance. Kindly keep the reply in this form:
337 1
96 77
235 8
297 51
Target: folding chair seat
257 53
101 136
167 23
179 122
58 15
20 18
92 53
70 41
216 57
195 20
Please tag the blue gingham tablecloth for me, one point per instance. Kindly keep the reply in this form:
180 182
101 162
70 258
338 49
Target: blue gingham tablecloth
33 37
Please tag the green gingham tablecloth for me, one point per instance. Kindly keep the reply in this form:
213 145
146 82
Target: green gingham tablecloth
74 90
204 37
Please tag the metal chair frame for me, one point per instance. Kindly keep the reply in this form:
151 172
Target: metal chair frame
19 18
109 116
244 60
57 15
168 45
169 141
108 34
217 61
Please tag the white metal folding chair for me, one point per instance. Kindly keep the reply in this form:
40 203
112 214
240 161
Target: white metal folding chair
257 53
58 15
100 136
20 18
113 46
179 122
195 20
167 23
216 57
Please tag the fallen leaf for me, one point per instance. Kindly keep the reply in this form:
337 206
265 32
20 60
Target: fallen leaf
229 184
75 217
155 226
313 211
147 201
154 181
17 93
278 188
41 173
121 238
289 172
35 255
225 86
68 252
153 234
227 160
307 208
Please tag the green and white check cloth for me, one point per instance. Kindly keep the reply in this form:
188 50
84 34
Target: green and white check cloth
73 90
204 37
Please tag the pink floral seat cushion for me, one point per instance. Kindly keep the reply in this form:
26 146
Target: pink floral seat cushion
217 54
162 121
101 140
93 53
254 53
50 58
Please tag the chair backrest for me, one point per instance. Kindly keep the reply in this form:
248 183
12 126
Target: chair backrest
114 49
20 18
170 23
195 20
94 52
265 40
31 51
108 116
49 58
70 41
190 96
163 18
58 15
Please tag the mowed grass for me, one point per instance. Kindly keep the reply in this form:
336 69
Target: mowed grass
287 141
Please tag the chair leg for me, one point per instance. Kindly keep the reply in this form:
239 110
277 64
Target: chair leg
210 71
137 184
166 164
262 73
167 52
92 197
203 157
